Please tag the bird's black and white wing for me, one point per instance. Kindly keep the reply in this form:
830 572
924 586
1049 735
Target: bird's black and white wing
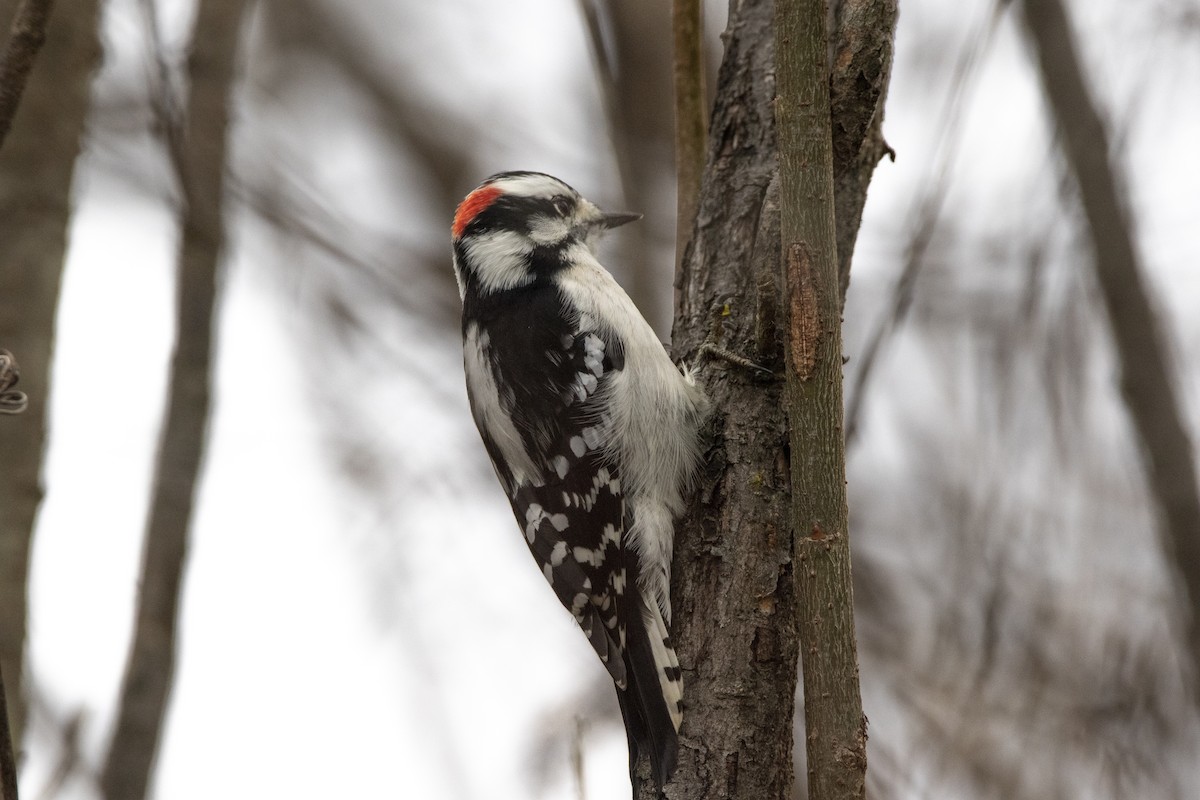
568 500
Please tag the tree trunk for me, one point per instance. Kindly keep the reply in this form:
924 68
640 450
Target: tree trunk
735 583
37 163
200 164
734 589
8 761
1146 381
835 728
24 41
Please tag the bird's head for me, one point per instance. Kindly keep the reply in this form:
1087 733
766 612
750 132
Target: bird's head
518 226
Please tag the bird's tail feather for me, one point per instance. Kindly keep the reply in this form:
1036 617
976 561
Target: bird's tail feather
651 705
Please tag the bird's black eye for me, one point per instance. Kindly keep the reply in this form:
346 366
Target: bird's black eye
563 205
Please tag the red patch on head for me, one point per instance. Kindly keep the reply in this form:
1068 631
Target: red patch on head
470 208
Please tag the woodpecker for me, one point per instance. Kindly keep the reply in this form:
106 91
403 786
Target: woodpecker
592 430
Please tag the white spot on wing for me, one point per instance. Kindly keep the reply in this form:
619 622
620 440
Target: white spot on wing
591 437
533 518
586 555
647 397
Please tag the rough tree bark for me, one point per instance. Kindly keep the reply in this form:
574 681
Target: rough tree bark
860 64
1146 381
36 168
24 41
734 576
735 584
199 156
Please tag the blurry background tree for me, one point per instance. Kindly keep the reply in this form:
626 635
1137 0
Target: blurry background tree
1021 631
195 135
37 164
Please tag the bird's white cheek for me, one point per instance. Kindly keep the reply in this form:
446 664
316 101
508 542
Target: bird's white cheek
548 230
499 260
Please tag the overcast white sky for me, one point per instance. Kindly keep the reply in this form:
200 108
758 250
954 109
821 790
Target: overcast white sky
302 674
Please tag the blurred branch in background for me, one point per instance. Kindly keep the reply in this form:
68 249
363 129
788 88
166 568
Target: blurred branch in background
691 116
925 219
633 69
197 145
8 761
306 35
37 165
26 38
70 762
416 124
1147 384
363 286
11 402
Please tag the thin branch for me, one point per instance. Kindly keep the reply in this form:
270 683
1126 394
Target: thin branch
26 39
691 119
606 75
8 763
197 149
926 218
70 759
577 758
835 728
164 96
624 37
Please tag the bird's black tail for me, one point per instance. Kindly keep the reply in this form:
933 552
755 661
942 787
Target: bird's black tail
651 703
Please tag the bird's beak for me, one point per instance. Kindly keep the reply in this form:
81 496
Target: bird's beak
613 219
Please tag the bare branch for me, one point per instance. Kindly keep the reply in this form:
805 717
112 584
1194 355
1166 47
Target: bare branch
835 728
925 220
1147 385
37 165
200 161
8 763
691 117
633 69
25 40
